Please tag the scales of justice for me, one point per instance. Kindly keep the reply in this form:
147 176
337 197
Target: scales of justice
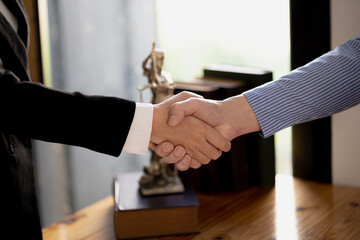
159 177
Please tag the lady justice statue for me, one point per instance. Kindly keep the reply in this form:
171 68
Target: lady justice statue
159 178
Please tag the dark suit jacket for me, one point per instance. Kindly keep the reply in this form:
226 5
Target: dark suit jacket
32 111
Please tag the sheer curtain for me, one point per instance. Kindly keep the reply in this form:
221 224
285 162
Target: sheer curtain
97 47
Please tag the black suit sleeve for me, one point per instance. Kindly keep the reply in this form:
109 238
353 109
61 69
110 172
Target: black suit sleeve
32 110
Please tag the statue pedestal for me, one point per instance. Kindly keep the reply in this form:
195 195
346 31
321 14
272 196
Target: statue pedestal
169 188
139 216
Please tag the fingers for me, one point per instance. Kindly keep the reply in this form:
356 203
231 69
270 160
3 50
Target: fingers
202 143
179 157
200 140
164 149
181 97
176 155
161 115
186 95
186 163
179 110
195 164
218 141
182 160
208 152
202 158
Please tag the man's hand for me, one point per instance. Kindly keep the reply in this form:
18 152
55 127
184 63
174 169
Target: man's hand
232 117
200 141
209 111
167 149
176 155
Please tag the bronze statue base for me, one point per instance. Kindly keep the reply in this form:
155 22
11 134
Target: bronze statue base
148 187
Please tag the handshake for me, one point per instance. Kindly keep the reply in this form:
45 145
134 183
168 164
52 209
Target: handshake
190 131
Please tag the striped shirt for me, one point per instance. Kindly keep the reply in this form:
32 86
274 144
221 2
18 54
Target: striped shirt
327 85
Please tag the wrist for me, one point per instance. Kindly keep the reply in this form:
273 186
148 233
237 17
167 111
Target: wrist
160 116
241 115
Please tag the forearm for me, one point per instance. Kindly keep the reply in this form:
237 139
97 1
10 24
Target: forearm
323 87
35 111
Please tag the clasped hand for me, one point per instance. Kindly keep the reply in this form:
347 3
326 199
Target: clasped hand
196 142
190 131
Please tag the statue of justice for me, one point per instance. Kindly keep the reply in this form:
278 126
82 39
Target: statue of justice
159 177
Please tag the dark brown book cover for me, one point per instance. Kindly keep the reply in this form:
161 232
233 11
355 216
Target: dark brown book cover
252 76
227 87
137 216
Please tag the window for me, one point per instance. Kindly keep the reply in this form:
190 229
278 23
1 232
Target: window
252 33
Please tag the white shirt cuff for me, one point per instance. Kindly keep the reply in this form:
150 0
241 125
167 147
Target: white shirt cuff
138 139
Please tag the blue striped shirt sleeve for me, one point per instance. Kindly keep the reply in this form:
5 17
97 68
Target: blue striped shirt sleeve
327 85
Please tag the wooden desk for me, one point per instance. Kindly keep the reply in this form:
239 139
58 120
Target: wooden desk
294 209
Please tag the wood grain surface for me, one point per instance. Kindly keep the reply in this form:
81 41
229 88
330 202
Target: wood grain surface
293 209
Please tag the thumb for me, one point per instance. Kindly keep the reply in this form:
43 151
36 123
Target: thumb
179 110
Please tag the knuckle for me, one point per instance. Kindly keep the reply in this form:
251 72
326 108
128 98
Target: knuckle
226 145
218 154
206 161
167 159
229 147
182 167
161 154
195 164
174 106
186 94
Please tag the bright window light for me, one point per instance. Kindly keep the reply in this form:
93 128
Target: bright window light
252 33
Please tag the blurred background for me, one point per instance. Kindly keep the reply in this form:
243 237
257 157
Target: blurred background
97 47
